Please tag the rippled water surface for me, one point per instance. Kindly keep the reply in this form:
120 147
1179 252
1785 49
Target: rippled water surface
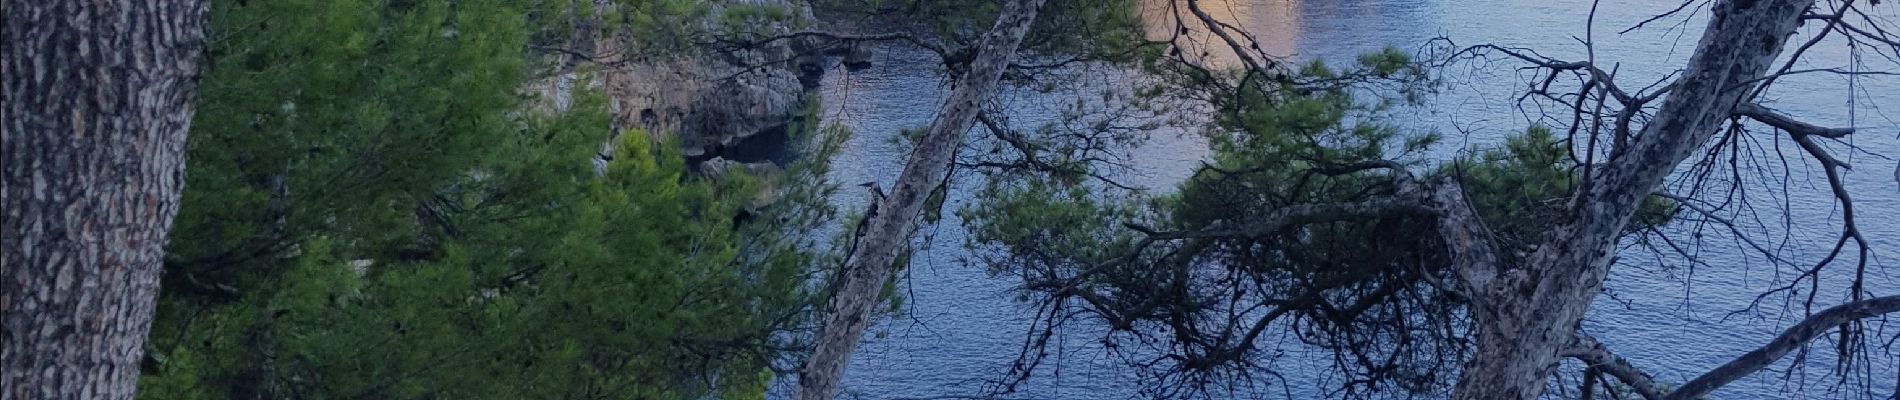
962 327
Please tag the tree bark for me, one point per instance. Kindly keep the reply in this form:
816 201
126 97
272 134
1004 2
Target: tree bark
98 101
869 264
1530 314
1599 359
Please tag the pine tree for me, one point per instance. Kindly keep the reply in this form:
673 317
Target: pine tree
376 210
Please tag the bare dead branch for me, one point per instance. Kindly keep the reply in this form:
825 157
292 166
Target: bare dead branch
733 43
1784 122
1679 7
1794 337
1029 154
1220 29
1296 215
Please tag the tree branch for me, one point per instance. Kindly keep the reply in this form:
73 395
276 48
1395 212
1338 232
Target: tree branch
1784 122
737 43
1467 239
1790 339
1294 215
1233 44
1029 153
1592 352
873 252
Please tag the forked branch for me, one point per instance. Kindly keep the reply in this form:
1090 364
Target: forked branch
1592 352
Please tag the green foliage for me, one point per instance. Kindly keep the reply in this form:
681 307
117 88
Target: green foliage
1293 213
660 24
1047 215
1520 186
373 211
655 26
351 110
749 16
1104 30
1521 189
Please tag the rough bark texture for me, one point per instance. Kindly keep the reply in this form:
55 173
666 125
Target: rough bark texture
869 265
98 100
1531 313
1599 359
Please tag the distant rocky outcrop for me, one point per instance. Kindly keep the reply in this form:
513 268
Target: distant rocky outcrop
733 109
709 104
715 99
711 99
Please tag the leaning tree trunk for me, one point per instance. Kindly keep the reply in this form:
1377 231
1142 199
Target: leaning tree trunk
868 264
98 99
1527 316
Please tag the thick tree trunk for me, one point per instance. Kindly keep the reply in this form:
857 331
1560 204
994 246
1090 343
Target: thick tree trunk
869 263
98 100
1528 315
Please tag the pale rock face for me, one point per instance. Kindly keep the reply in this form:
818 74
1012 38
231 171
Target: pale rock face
655 95
712 100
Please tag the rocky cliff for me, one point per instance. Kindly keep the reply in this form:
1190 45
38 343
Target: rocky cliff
711 96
